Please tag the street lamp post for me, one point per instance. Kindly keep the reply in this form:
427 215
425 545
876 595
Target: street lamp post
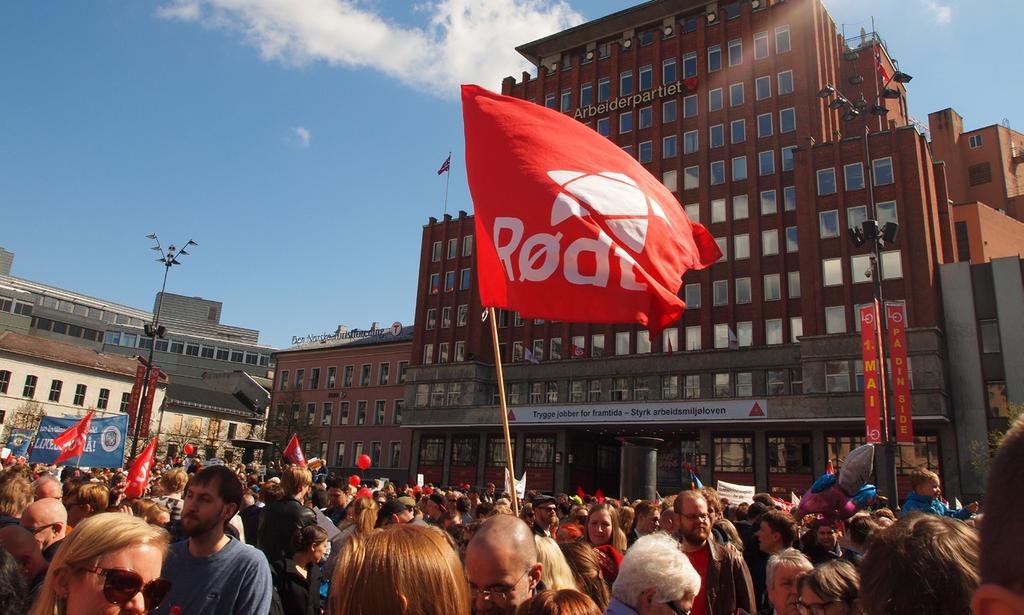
155 330
878 235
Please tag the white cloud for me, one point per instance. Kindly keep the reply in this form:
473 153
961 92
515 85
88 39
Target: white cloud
942 14
464 41
303 135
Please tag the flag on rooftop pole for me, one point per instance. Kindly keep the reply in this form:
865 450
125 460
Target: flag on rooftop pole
569 226
446 166
884 74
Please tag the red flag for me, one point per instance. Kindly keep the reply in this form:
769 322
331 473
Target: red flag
599 496
884 74
580 492
293 452
896 317
138 473
829 469
446 165
72 440
669 339
569 226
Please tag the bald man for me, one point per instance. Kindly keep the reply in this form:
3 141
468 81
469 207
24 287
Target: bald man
501 566
47 520
47 486
19 542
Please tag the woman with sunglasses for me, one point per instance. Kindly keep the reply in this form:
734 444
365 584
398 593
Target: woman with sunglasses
831 588
110 565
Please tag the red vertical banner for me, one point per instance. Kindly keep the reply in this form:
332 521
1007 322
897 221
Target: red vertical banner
896 318
874 384
136 397
147 408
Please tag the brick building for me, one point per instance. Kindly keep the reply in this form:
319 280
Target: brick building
343 394
763 368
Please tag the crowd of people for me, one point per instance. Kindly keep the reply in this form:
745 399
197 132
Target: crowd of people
221 540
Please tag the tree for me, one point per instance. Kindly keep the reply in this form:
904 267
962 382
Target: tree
981 454
296 418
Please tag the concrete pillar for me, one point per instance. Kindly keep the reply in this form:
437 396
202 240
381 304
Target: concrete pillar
414 455
1009 290
819 452
638 471
761 460
481 460
562 466
447 466
707 446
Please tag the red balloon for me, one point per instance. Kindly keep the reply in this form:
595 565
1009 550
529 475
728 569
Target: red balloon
354 480
189 449
363 462
364 493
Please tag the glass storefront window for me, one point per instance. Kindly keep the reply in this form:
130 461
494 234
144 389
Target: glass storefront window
734 454
789 454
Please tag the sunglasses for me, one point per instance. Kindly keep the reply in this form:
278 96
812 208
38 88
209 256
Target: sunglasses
120 586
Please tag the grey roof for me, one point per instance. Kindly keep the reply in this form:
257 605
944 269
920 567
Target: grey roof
191 395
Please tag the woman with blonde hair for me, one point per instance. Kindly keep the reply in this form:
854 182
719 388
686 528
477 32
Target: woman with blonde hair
557 574
405 569
110 565
586 570
363 518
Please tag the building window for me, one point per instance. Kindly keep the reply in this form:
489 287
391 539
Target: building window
835 319
435 252
621 343
646 152
826 181
566 101
744 334
103 399
789 455
449 281
785 80
464 277
735 52
670 387
892 265
645 117
773 331
742 290
735 94
668 71
832 271
716 136
669 147
625 83
670 179
690 108
886 212
690 65
646 77
975 141
744 384
79 399
428 354
691 386
854 176
55 388
856 216
989 330
29 390
720 292
717 172
125 400
722 335
693 338
435 283
881 171
837 376
594 390
796 331
668 111
769 242
715 100
603 127
738 131
782 39
714 58
604 89
792 245
772 288
828 224
467 245
453 247
622 389
741 246
597 345
787 120
625 122
733 454
549 100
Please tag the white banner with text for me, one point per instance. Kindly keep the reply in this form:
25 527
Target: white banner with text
642 412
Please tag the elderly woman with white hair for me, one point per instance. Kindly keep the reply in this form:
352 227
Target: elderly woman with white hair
655 578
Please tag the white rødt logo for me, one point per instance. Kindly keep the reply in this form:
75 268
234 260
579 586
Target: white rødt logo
614 199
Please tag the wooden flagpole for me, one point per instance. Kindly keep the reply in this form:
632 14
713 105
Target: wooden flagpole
504 412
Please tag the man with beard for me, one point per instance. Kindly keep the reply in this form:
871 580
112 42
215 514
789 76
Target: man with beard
210 572
724 580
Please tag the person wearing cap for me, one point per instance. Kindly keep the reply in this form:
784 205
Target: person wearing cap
397 511
545 515
434 508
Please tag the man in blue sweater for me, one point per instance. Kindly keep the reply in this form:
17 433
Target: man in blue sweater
925 497
212 573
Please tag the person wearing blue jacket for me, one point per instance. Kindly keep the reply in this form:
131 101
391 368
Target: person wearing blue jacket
925 497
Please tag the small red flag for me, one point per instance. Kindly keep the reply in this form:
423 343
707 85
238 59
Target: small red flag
293 452
669 346
72 440
138 473
580 492
829 469
569 226
884 74
599 496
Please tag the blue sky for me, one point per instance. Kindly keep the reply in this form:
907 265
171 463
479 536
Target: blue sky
297 142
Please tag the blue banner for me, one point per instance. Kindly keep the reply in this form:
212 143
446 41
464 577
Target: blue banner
18 442
104 447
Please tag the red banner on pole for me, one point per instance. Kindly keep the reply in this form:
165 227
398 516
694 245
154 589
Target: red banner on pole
147 408
136 397
874 384
896 318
